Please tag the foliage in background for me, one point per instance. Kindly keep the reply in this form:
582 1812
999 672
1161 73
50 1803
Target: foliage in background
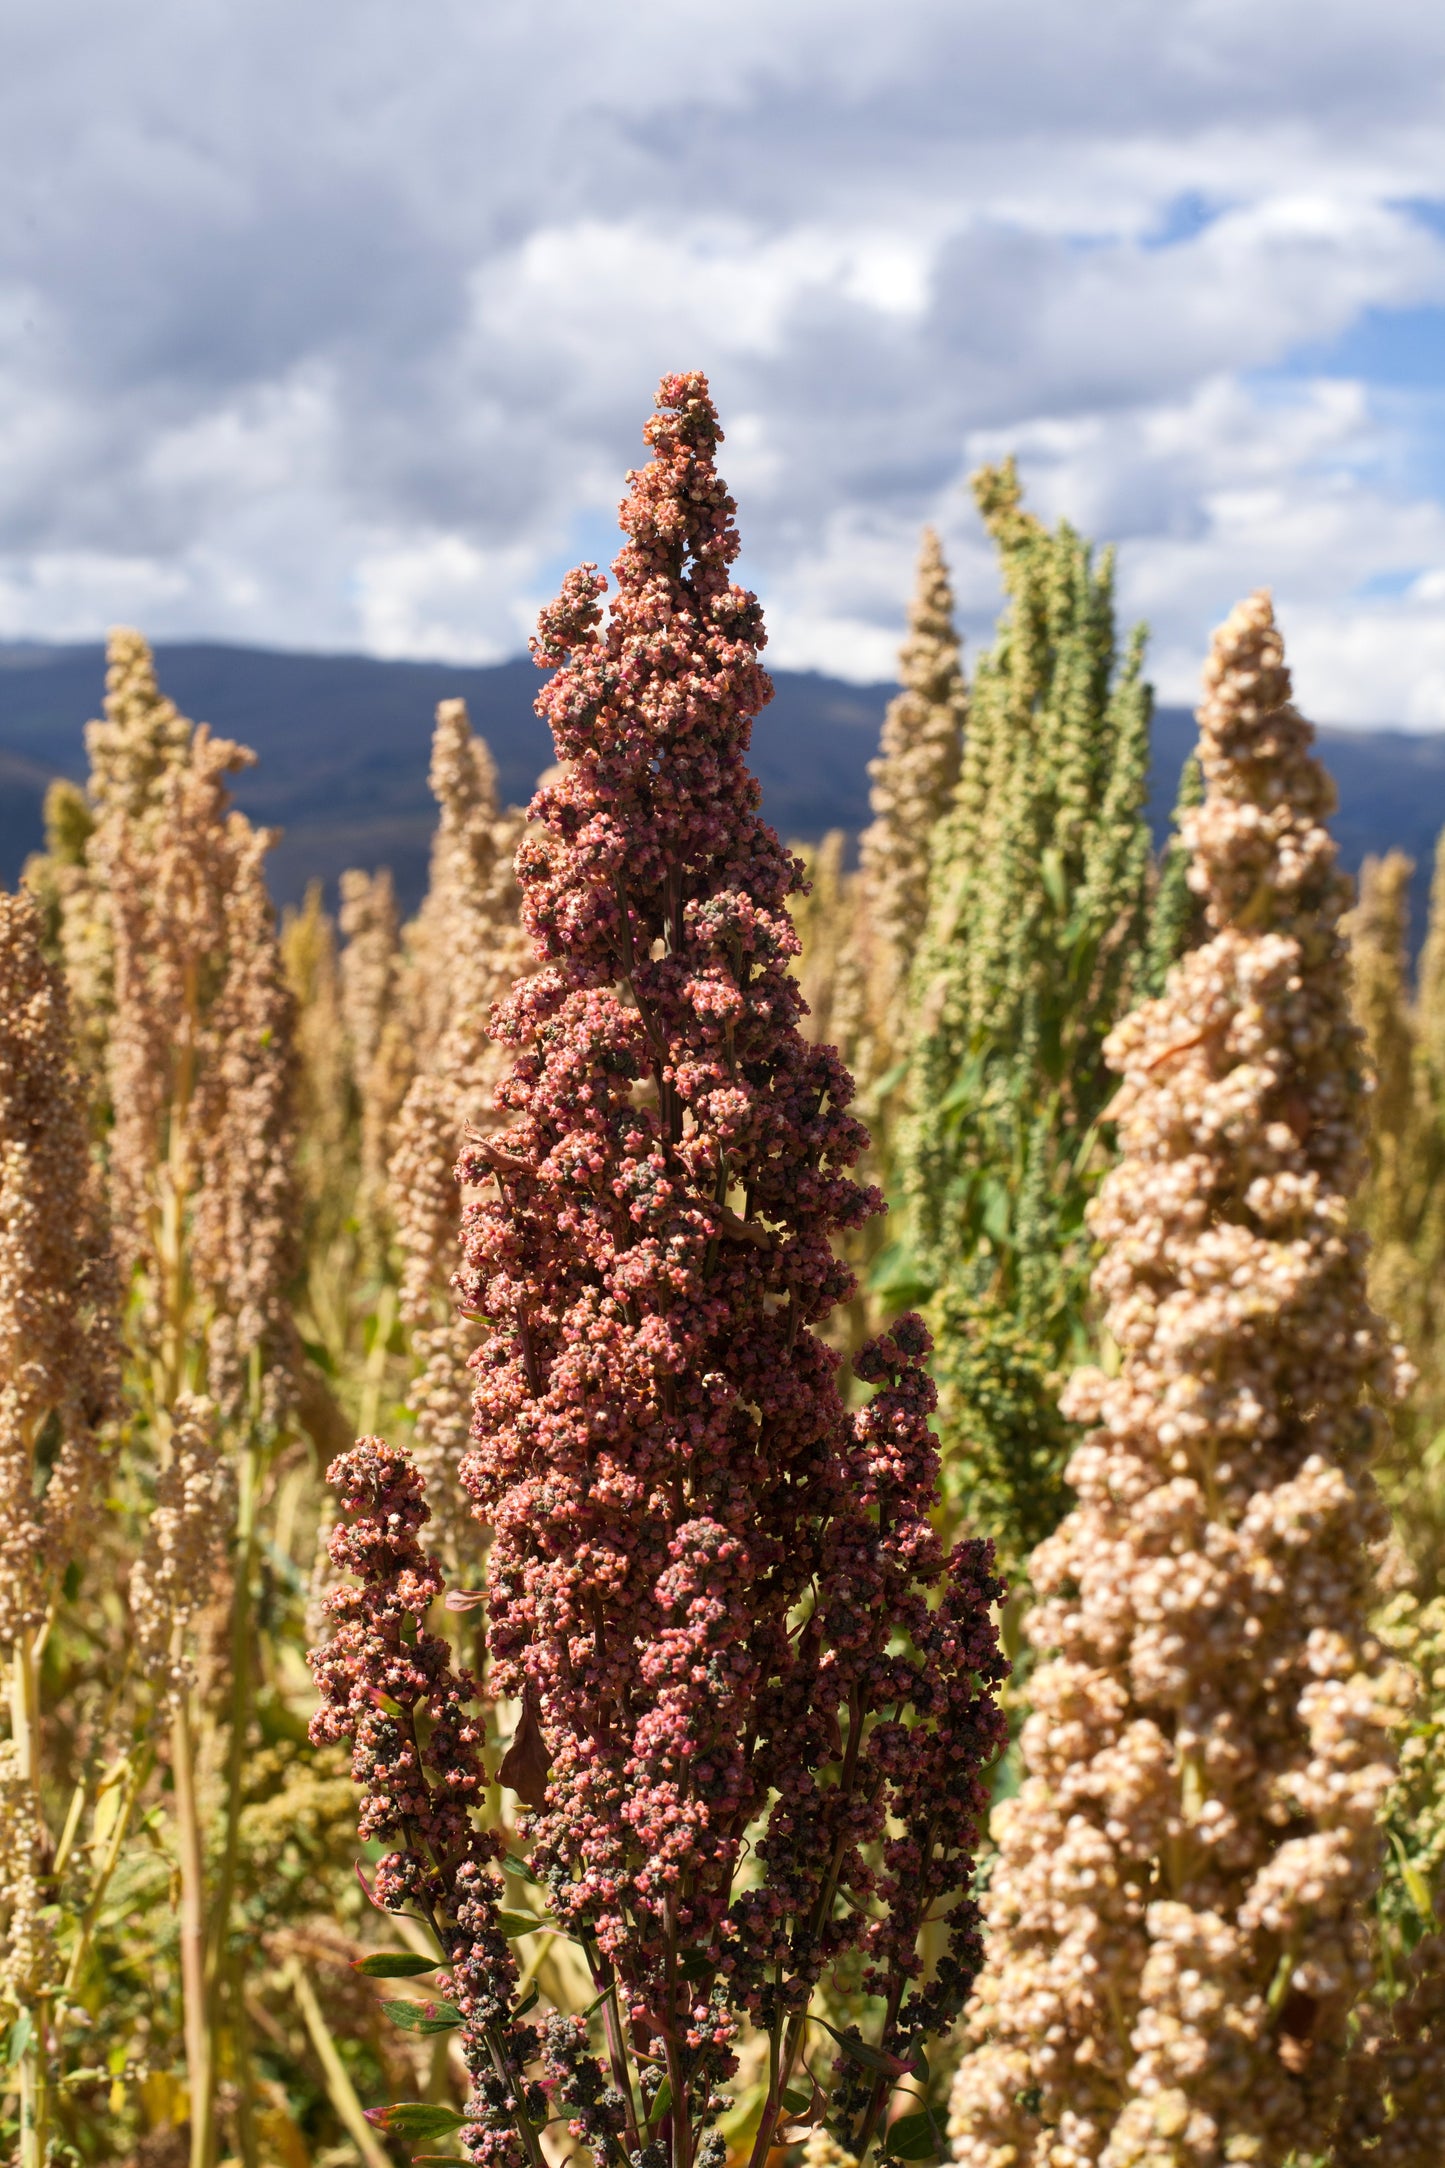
835 936
1038 897
250 1364
1403 1205
173 1694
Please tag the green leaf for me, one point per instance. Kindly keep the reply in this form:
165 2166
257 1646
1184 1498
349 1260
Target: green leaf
424 2017
523 2007
997 1209
321 1356
915 2137
22 2032
888 1082
795 2102
418 2119
662 2101
1051 873
1417 1888
858 2051
513 1924
512 1865
394 1965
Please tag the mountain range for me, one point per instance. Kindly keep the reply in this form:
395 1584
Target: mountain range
342 743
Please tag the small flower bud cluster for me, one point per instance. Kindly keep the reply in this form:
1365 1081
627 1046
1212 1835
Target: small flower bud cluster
326 1163
1177 1918
387 1687
131 749
720 1603
30 1962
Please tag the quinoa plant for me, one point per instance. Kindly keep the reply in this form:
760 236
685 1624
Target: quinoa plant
753 1695
1178 1917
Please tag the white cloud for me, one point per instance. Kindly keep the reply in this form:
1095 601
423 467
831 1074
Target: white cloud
1241 486
67 594
422 599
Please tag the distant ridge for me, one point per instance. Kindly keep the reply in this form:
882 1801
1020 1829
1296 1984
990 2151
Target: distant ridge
342 744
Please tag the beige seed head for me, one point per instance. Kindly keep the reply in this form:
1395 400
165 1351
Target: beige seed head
58 1350
1177 1920
468 950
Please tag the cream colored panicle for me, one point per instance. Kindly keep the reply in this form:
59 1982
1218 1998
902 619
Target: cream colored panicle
468 950
470 853
58 1348
1177 1922
29 1959
58 1384
325 1150
201 1064
914 775
187 1536
376 1031
131 749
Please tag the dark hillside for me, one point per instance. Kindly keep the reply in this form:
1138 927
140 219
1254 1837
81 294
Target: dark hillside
342 744
343 741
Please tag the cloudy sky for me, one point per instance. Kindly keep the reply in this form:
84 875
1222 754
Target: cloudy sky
334 325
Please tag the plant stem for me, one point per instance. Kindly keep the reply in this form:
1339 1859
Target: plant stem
200 2042
339 2087
678 2130
217 1959
240 1711
139 1770
523 2121
35 2055
602 1972
241 2065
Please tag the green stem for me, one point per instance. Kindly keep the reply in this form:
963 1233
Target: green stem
217 1954
35 2101
140 1769
341 2091
241 2059
190 1852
